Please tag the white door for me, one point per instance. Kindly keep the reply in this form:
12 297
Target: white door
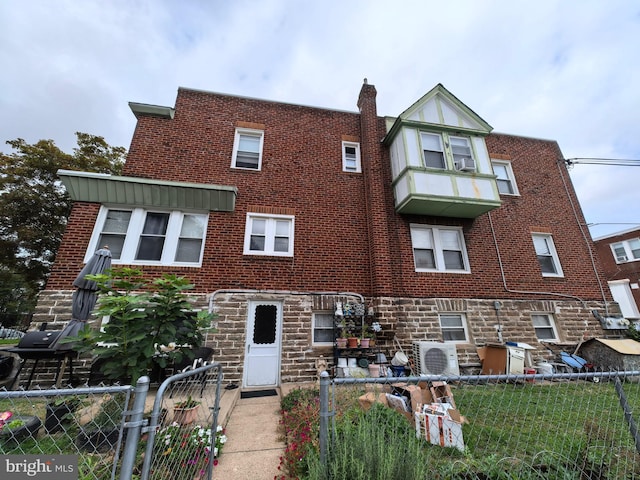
622 294
262 350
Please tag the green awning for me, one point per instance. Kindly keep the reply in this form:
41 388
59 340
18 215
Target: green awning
144 192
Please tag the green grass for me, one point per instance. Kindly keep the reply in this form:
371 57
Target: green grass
560 430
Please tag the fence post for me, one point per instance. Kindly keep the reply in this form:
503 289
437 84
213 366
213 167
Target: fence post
324 417
633 429
133 427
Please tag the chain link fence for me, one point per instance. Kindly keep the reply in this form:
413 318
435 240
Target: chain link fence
551 426
122 431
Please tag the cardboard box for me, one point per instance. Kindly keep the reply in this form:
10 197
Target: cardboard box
441 392
440 430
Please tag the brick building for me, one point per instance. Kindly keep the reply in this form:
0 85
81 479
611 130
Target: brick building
276 212
620 257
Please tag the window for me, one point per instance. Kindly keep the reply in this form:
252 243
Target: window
432 150
453 327
547 255
544 326
439 249
627 250
150 237
462 156
247 149
269 235
506 180
351 157
323 328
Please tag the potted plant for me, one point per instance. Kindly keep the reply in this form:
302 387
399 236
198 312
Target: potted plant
102 432
19 428
341 341
59 412
185 412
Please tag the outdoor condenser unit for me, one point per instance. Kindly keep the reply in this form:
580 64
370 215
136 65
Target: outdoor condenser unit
434 358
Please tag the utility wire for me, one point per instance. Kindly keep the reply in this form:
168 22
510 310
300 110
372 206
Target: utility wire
621 162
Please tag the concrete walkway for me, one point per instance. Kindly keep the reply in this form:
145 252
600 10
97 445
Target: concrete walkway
254 444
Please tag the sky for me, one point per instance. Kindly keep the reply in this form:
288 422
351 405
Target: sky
562 70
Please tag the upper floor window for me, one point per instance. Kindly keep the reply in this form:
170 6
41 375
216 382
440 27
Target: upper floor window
351 157
544 326
506 180
150 237
440 249
627 250
453 327
269 235
247 149
323 328
432 150
547 255
436 148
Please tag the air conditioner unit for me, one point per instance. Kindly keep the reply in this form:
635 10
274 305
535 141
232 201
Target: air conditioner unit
434 358
466 164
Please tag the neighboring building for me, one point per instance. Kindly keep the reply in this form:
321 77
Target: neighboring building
620 257
278 211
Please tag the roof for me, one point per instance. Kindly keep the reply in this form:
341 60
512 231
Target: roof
625 346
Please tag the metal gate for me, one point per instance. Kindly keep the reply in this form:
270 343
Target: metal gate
183 433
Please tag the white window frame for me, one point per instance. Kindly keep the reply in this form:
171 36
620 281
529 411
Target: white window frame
438 250
551 253
236 145
351 165
329 328
270 234
550 326
134 232
628 251
441 150
463 327
511 179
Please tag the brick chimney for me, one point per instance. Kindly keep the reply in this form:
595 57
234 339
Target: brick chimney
374 178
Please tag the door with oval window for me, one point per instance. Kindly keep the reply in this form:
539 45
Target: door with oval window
262 349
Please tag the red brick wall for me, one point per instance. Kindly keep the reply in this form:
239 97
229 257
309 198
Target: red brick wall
334 239
615 271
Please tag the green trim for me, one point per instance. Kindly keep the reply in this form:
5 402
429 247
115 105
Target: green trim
439 90
145 192
143 109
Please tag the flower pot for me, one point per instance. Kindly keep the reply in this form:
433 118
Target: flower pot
364 343
341 342
374 370
352 342
185 416
28 429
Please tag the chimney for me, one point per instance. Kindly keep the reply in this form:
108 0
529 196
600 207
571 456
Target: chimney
371 132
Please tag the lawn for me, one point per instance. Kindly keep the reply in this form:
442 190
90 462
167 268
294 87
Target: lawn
559 430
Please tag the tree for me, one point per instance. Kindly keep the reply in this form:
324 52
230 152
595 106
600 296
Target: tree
34 207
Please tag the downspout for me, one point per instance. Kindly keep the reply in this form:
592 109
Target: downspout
528 292
586 241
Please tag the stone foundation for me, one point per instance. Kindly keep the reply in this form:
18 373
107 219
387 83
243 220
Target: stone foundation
407 319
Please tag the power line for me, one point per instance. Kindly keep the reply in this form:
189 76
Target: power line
620 162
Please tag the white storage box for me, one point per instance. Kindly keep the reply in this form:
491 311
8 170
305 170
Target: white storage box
439 430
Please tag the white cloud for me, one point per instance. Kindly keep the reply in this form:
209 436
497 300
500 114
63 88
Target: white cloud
562 70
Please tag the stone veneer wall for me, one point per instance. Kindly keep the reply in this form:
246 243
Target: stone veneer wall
409 319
